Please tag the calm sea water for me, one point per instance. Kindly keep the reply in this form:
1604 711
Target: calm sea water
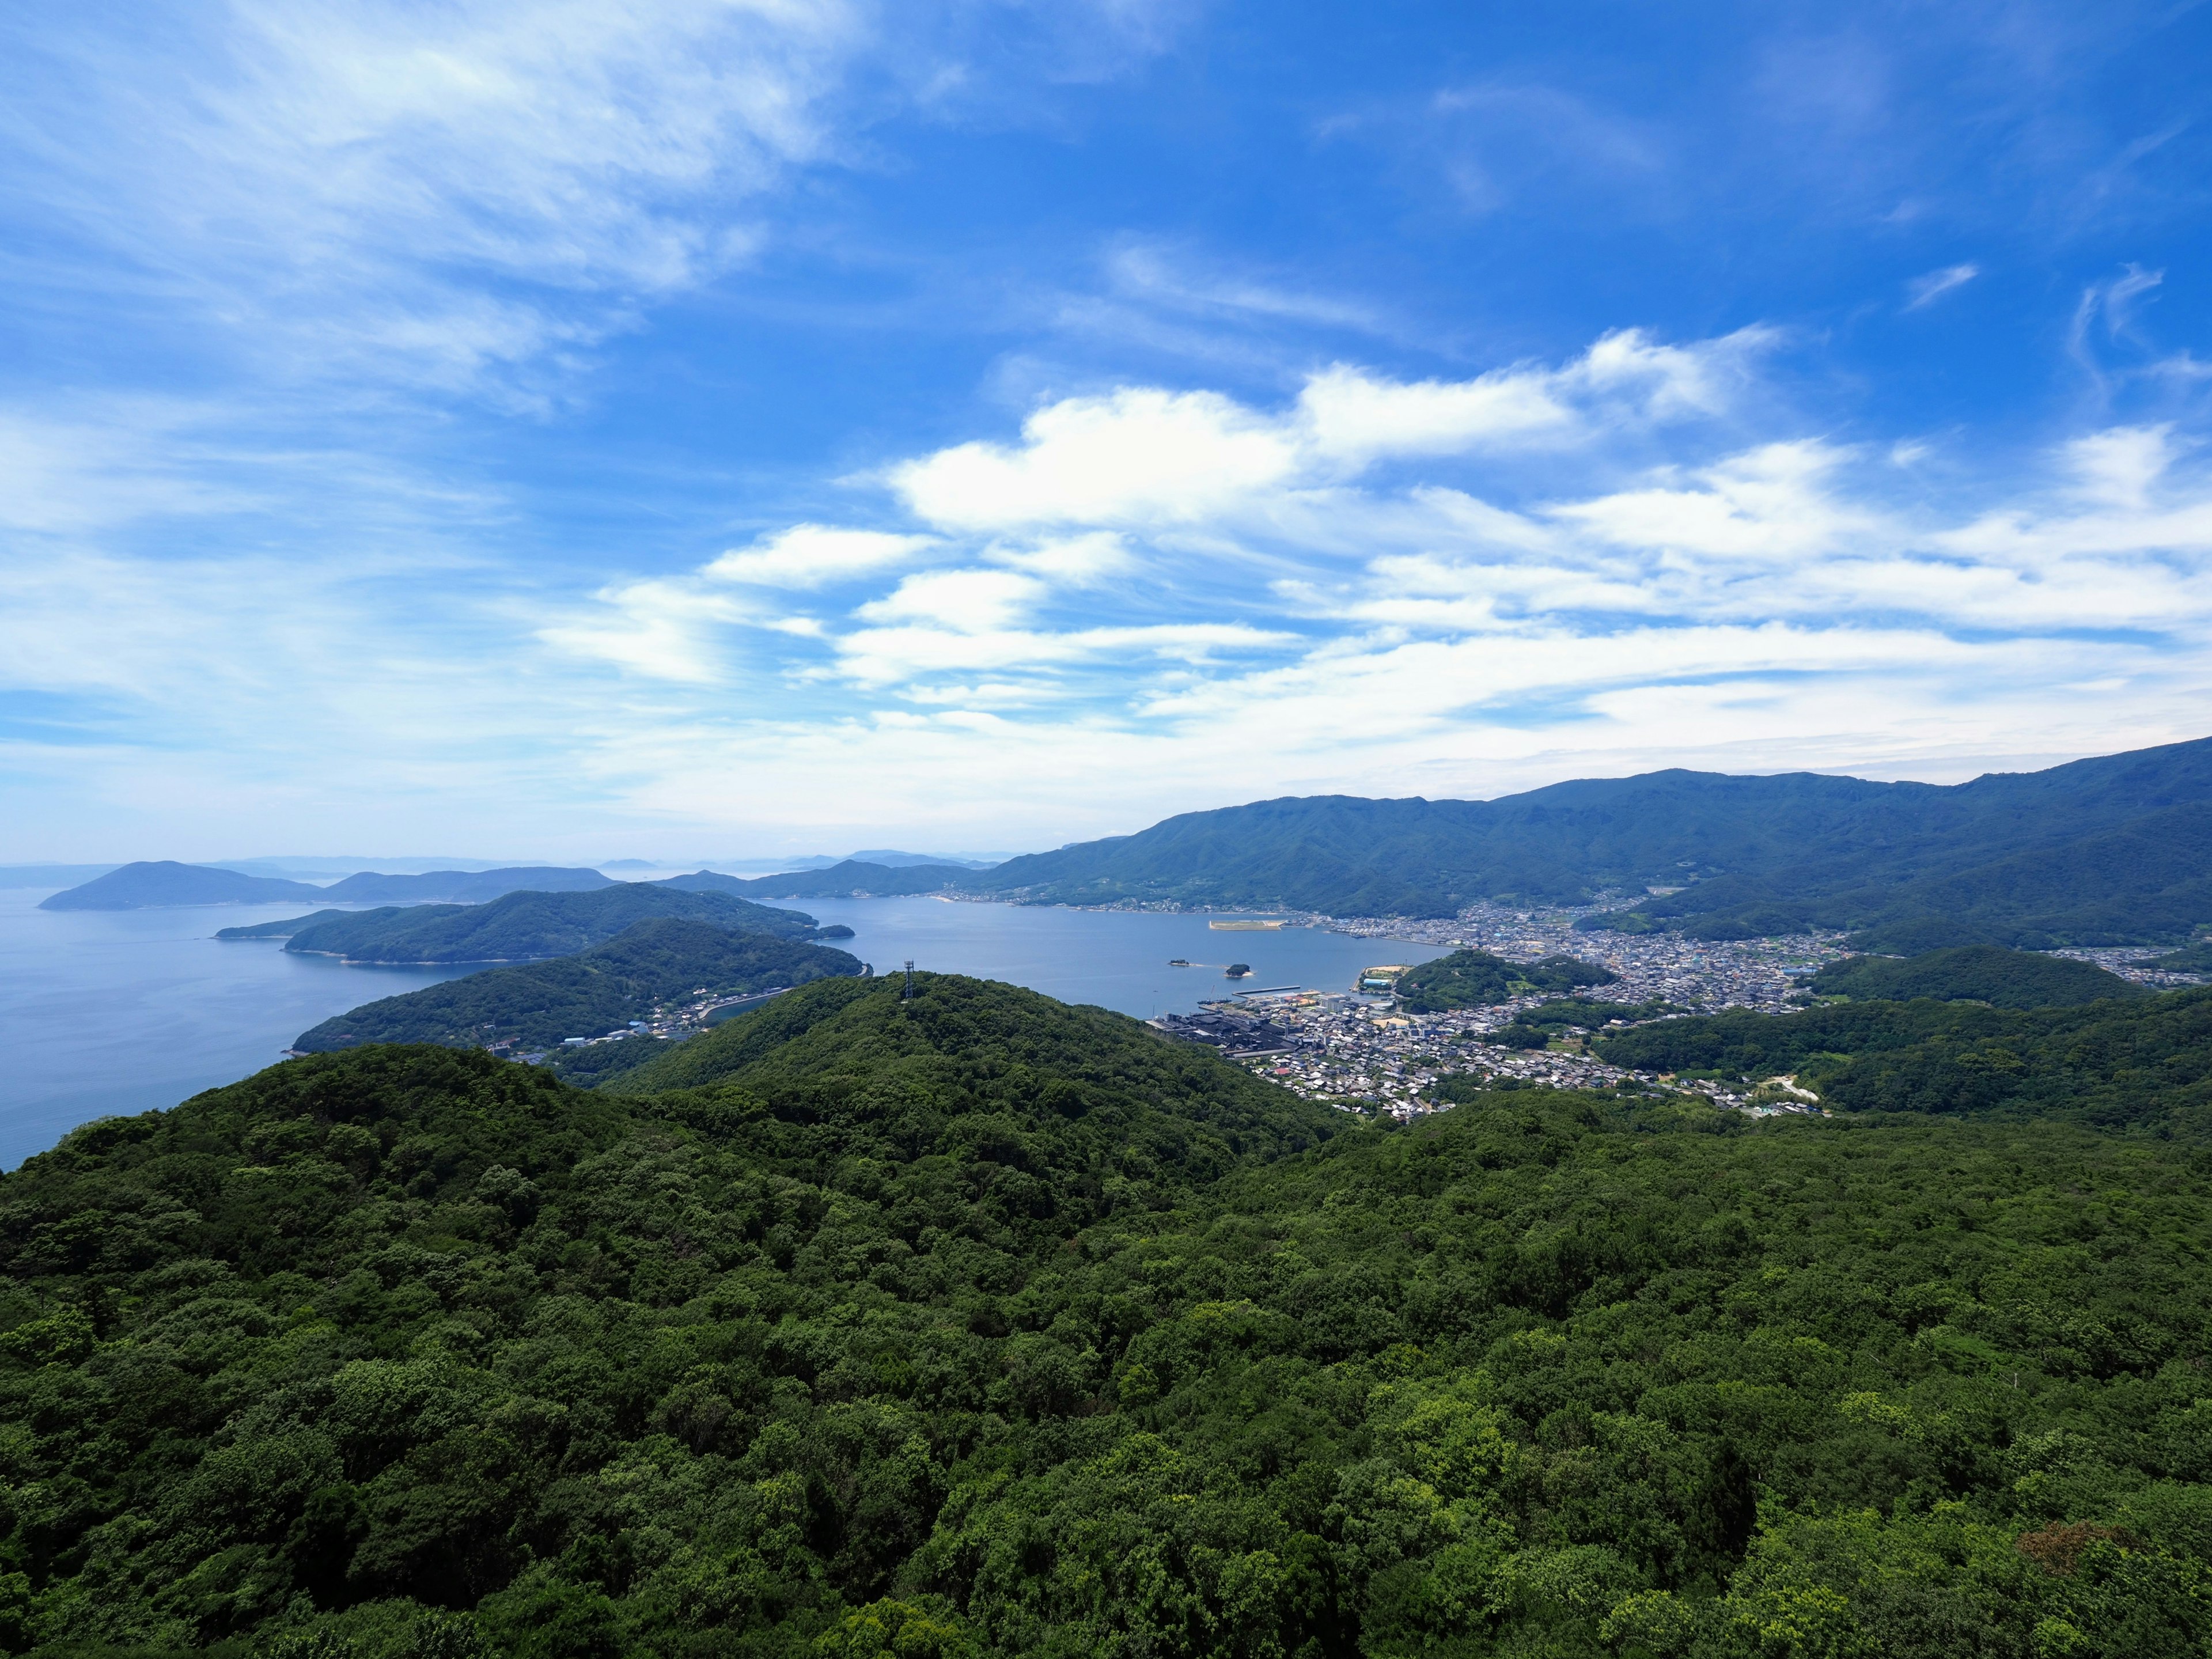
110 1011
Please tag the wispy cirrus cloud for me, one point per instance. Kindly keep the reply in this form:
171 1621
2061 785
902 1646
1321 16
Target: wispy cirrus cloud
1925 290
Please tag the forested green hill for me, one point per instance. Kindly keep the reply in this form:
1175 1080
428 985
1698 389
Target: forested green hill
1975 972
520 927
2192 959
2111 850
1477 979
972 1327
2141 1062
598 990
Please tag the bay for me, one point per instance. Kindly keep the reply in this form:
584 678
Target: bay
110 1011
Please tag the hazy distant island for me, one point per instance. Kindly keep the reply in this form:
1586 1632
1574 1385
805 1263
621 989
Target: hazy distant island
147 884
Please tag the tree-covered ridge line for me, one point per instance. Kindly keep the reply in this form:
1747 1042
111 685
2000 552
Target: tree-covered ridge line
1972 973
643 971
2111 850
938 1329
523 926
2144 1061
1481 979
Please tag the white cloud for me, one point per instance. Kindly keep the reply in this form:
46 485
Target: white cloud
1926 289
1137 455
814 555
1770 503
1149 456
424 194
1083 561
1354 416
965 601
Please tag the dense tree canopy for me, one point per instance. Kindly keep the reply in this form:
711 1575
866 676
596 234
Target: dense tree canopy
598 990
1972 973
1477 979
523 926
977 1325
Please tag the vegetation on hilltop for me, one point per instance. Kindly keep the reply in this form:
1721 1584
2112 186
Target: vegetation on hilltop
2113 848
537 1004
1972 973
1477 979
974 1325
2144 1061
528 926
286 926
2191 959
2143 881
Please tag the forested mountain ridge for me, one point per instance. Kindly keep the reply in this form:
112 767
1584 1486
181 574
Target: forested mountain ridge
519 926
1972 973
896 1341
2111 846
2137 1062
596 990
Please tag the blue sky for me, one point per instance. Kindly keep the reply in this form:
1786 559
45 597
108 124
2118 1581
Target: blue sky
699 428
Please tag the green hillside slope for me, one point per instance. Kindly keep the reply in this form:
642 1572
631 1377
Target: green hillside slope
1477 979
2142 1061
1972 973
2108 849
527 926
603 988
976 1327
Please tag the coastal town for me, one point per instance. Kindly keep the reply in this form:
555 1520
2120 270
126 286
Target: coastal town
1355 1048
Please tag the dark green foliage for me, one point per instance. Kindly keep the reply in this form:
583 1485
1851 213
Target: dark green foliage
1476 979
2114 846
958 1328
290 925
137 886
1972 973
2141 1061
1515 1035
529 926
2141 881
2192 959
589 995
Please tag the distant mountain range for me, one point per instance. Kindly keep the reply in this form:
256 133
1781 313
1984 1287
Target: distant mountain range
145 885
853 878
2109 851
2114 850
